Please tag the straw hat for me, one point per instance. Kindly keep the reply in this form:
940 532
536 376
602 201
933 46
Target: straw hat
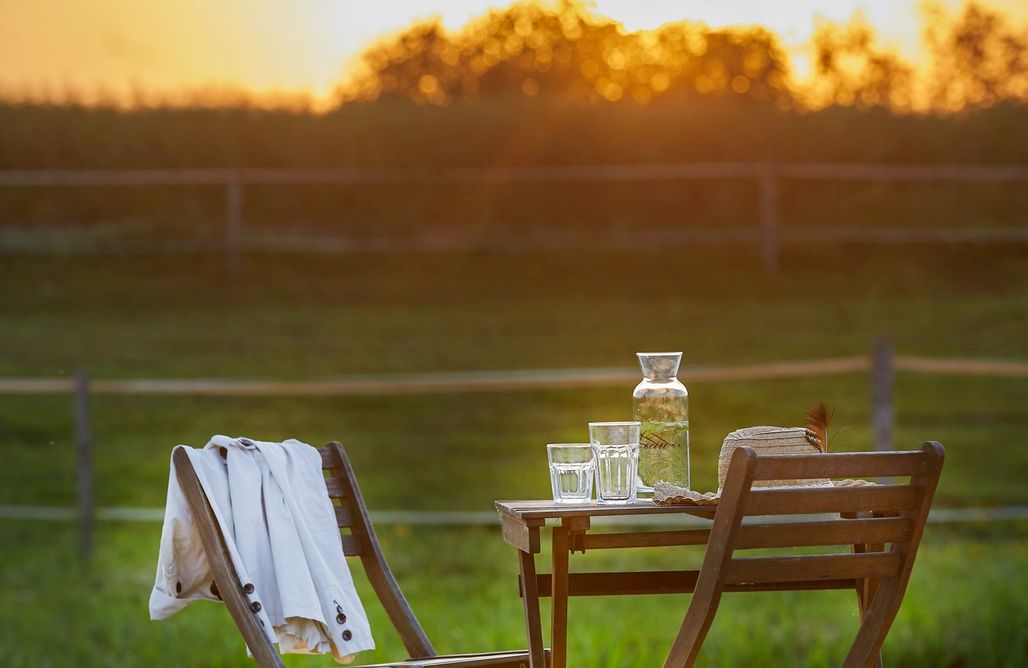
766 441
771 441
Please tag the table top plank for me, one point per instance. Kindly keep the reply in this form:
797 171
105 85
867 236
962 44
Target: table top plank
547 509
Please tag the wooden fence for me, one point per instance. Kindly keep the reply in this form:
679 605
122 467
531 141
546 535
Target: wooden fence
767 176
881 364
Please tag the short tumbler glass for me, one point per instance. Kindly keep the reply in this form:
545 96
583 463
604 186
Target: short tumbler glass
572 468
616 446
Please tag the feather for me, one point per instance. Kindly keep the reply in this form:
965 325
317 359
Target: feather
818 419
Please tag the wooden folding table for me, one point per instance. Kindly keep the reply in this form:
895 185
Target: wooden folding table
521 522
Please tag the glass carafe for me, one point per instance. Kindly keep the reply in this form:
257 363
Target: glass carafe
661 404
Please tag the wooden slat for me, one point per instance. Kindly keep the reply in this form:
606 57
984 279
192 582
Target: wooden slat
667 582
778 534
801 500
848 465
807 568
335 488
541 510
606 541
351 546
831 532
344 516
481 660
328 458
521 535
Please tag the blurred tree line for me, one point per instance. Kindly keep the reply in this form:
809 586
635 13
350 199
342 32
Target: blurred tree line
566 51
977 58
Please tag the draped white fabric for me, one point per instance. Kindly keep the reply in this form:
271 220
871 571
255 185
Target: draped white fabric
280 530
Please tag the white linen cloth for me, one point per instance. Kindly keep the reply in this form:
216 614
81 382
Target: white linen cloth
272 505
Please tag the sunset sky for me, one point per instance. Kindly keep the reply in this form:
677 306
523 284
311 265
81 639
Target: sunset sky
304 45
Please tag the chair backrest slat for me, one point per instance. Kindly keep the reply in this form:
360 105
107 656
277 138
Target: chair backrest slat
351 546
344 516
815 567
842 465
328 460
798 500
335 488
876 530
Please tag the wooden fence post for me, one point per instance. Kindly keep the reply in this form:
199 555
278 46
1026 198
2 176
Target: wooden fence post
881 393
768 183
233 223
84 464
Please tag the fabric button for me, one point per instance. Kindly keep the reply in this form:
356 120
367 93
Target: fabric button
255 606
347 635
178 587
341 618
248 588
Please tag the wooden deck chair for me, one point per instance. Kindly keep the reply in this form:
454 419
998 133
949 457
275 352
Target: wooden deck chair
359 540
881 524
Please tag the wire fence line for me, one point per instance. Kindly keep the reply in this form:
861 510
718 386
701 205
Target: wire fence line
767 233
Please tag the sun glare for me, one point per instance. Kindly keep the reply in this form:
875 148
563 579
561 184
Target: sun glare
321 51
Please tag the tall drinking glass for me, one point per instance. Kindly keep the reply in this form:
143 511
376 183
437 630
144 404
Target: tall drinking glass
616 447
571 472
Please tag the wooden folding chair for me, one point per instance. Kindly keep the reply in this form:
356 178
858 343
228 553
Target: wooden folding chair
882 524
359 540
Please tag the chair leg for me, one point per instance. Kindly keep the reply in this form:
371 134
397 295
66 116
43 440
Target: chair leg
880 614
694 630
866 589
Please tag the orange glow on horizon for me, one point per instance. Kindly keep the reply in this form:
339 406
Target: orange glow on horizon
284 53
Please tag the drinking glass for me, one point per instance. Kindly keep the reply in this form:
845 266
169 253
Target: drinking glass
571 471
616 447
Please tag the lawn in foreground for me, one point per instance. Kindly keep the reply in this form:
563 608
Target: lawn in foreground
461 584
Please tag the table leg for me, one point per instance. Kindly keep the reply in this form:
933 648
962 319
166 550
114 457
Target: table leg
559 599
533 624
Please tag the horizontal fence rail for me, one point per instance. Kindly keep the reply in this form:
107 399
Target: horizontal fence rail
766 174
490 518
881 364
468 381
816 171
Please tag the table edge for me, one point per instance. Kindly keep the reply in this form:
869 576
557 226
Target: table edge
508 508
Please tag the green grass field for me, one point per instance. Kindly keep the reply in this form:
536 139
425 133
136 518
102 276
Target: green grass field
311 317
964 606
